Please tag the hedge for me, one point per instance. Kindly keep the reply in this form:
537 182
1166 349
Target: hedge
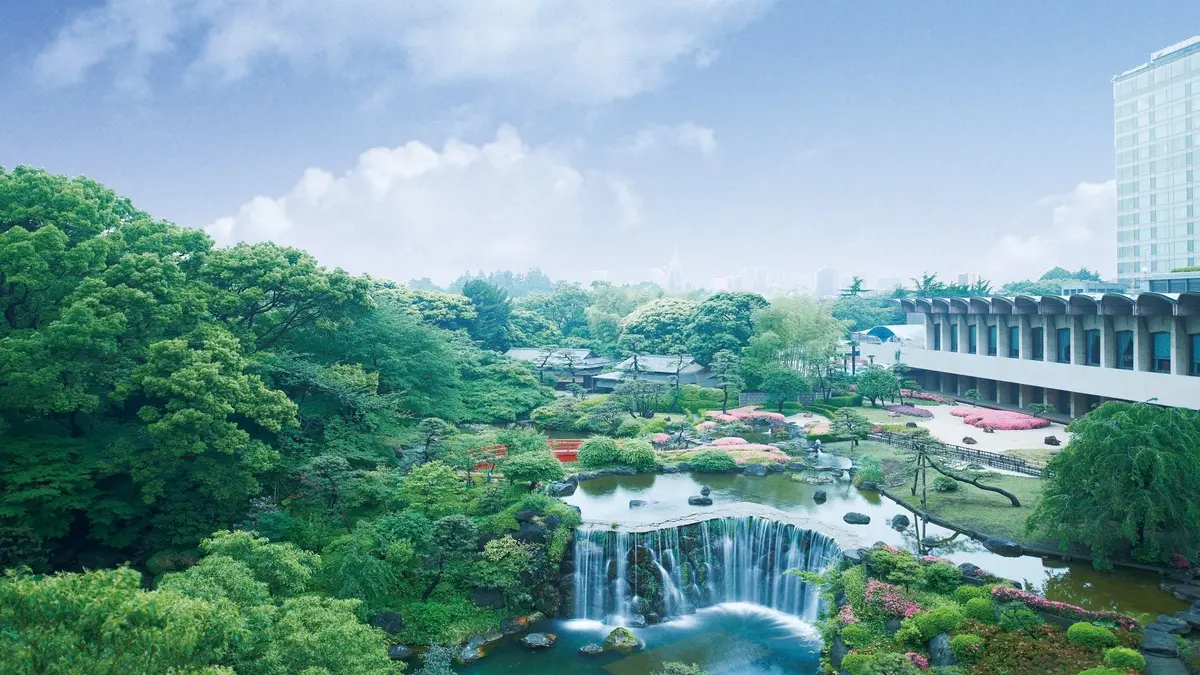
1124 658
1089 635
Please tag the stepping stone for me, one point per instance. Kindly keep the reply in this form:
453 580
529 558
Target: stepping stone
1169 624
1191 617
1159 643
1161 665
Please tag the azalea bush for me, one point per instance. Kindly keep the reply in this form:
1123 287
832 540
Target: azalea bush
926 396
1000 420
889 600
1004 594
729 440
910 410
746 416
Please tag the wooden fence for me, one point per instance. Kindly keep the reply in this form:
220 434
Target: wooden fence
995 460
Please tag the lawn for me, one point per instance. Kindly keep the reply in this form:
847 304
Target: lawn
987 512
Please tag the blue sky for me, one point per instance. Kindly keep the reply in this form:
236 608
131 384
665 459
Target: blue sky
427 138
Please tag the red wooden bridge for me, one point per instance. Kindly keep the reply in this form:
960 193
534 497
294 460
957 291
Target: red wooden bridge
564 449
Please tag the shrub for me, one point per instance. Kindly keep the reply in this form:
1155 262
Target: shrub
629 428
851 401
854 583
1090 635
1101 671
856 664
945 484
891 663
1124 658
599 451
869 468
963 594
966 647
941 620
910 410
981 609
856 636
898 567
1016 617
712 461
888 600
942 577
999 419
638 454
1007 593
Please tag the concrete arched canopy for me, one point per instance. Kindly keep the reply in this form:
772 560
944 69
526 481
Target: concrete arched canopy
1116 303
1002 305
1155 304
1053 304
903 332
1188 304
908 306
1083 304
1025 304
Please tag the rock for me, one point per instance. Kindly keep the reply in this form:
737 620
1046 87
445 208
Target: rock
563 489
837 651
892 626
573 478
636 621
837 473
1185 592
853 556
899 521
989 430
796 466
525 516
539 640
531 533
911 425
653 618
939 650
472 651
699 500
685 466
585 475
868 485
1003 546
575 508
399 652
622 640
1192 617
514 625
388 622
1051 440
775 467
855 518
1169 624
1159 643
636 503
705 490
967 440
623 471
666 469
819 496
755 470
1162 665
486 597
592 649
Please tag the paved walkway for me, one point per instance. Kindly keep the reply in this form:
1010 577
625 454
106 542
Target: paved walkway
950 429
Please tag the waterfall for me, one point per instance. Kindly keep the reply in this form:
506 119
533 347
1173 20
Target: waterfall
670 572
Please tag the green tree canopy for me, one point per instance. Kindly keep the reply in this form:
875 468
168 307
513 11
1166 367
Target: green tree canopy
492 311
660 324
722 322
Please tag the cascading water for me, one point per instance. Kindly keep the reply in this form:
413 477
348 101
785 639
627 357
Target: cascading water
670 572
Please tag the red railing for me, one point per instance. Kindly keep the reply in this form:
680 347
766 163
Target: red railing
564 449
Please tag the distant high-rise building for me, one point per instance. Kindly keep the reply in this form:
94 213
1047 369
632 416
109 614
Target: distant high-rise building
674 274
720 284
1156 117
968 278
827 282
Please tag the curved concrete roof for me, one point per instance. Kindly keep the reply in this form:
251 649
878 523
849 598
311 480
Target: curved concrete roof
904 332
1141 304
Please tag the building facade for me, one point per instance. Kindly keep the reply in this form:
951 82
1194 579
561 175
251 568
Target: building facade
1069 352
1156 110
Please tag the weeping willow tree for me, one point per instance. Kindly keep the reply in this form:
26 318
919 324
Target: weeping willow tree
1130 477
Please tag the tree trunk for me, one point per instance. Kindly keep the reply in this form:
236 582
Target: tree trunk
725 399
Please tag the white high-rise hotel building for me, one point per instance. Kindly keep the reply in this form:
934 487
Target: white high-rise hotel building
1157 139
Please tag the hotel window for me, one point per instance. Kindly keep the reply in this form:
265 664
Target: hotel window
1062 345
972 339
937 336
1195 367
1091 342
1125 349
991 340
1014 342
1161 344
1039 344
953 337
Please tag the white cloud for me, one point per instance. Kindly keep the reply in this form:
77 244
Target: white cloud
414 211
1074 230
688 135
561 49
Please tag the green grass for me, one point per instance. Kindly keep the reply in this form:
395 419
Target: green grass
879 415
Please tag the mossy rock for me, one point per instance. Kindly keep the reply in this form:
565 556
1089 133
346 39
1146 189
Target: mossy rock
621 639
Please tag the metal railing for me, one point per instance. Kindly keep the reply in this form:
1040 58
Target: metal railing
995 460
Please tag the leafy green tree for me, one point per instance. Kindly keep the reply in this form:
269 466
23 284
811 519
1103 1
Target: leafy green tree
284 568
502 565
492 312
530 329
661 324
783 385
864 313
453 542
314 634
792 333
726 366
432 431
606 417
973 396
565 309
855 289
875 383
1129 476
523 439
532 468
433 489
722 322
639 397
851 424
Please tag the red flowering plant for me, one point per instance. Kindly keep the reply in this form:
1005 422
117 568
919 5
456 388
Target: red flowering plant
889 600
1180 561
918 660
1037 602
1002 420
846 615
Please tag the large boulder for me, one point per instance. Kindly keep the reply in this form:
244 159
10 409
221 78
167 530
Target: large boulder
1170 624
539 640
622 640
939 650
1051 440
666 469
531 533
855 518
685 466
1003 546
819 496
472 651
1191 617
837 651
775 467
1164 665
487 597
868 485
585 475
853 556
400 652
592 649
388 622
755 469
514 625
699 500
563 489
900 521
636 503
796 466
636 621
967 440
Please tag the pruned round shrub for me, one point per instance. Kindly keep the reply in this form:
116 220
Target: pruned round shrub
966 647
1089 635
940 620
599 451
712 461
639 454
891 663
856 636
1016 617
1124 658
629 428
963 594
981 609
856 664
942 577
945 484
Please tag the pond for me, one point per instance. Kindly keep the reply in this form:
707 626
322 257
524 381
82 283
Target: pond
743 638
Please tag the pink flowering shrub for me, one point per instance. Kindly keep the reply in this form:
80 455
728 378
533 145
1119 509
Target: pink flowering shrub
730 440
918 660
660 439
933 559
746 415
846 615
1179 561
1002 420
706 426
1037 602
910 410
888 599
925 396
